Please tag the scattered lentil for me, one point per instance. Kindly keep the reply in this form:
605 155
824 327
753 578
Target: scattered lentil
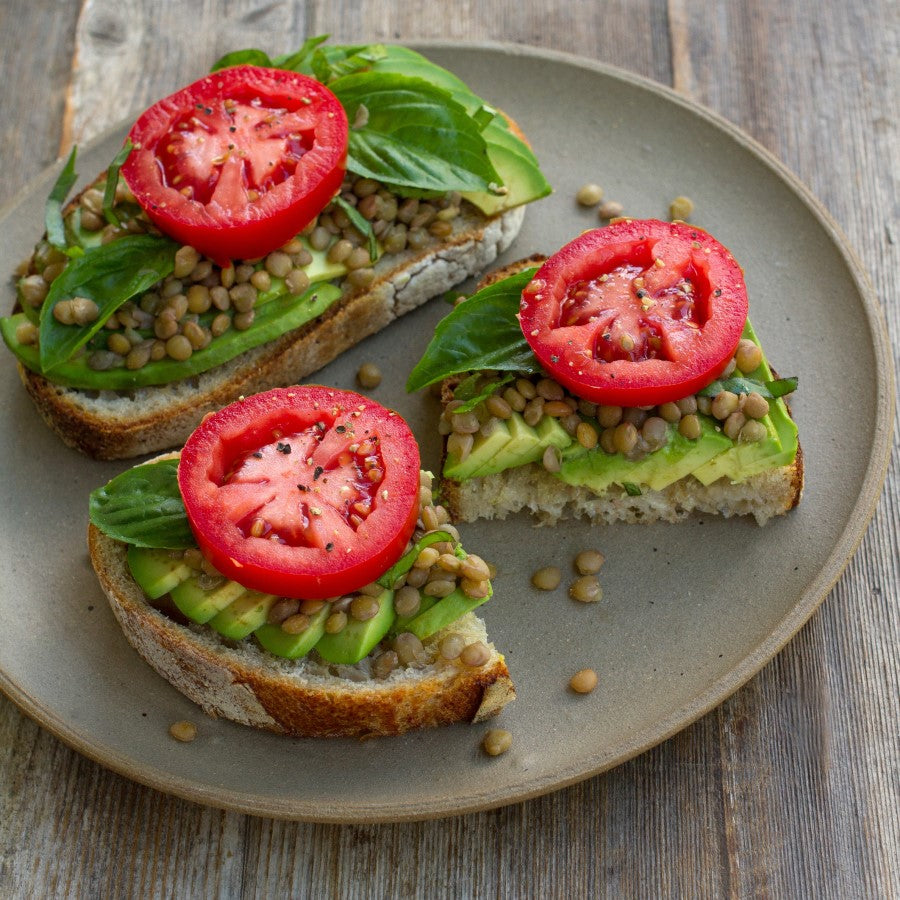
547 578
183 731
496 742
589 562
586 589
610 209
583 681
368 376
681 208
589 194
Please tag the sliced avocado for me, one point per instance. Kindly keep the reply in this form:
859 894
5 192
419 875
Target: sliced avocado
741 461
200 604
442 614
597 469
358 638
243 616
157 571
292 646
513 443
401 623
518 170
484 449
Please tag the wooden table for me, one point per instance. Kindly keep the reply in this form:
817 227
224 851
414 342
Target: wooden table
791 787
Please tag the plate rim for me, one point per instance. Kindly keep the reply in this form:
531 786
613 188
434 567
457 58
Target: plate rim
686 714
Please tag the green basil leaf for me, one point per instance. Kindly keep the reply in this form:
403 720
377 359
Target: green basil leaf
109 275
475 389
740 384
631 489
112 180
416 135
405 563
361 223
250 56
298 61
143 507
480 333
53 220
335 62
778 387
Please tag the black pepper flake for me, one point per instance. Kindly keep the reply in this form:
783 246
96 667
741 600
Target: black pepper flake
199 106
341 429
302 487
208 110
317 472
283 448
320 426
641 294
232 128
554 358
257 454
717 292
329 546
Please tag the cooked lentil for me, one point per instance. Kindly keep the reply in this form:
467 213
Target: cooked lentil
547 578
586 589
681 208
589 194
589 562
368 376
583 681
475 654
610 209
183 731
496 742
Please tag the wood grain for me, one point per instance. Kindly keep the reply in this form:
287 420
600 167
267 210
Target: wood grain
791 787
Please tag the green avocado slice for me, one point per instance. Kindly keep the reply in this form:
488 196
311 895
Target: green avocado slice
358 639
443 613
157 571
242 617
200 604
292 646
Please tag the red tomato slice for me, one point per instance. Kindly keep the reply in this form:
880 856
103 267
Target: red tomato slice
302 492
637 313
237 163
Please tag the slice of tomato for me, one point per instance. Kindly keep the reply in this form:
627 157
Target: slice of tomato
238 162
302 492
637 313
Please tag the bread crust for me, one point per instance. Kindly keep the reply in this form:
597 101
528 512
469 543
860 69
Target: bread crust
247 685
123 424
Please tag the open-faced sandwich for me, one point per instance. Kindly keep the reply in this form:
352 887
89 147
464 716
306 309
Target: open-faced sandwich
255 225
618 380
289 570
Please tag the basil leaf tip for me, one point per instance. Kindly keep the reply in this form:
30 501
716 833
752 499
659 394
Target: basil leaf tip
143 507
482 332
53 219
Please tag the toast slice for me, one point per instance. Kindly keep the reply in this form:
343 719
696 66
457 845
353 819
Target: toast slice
305 697
123 424
532 488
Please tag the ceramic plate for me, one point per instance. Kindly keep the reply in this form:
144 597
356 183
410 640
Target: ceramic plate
690 612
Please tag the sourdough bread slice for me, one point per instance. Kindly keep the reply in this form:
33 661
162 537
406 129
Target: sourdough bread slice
122 424
305 697
532 488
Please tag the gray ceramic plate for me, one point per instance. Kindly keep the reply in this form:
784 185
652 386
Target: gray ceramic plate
690 612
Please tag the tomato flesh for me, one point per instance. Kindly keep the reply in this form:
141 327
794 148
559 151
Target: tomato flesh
239 162
637 313
302 492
